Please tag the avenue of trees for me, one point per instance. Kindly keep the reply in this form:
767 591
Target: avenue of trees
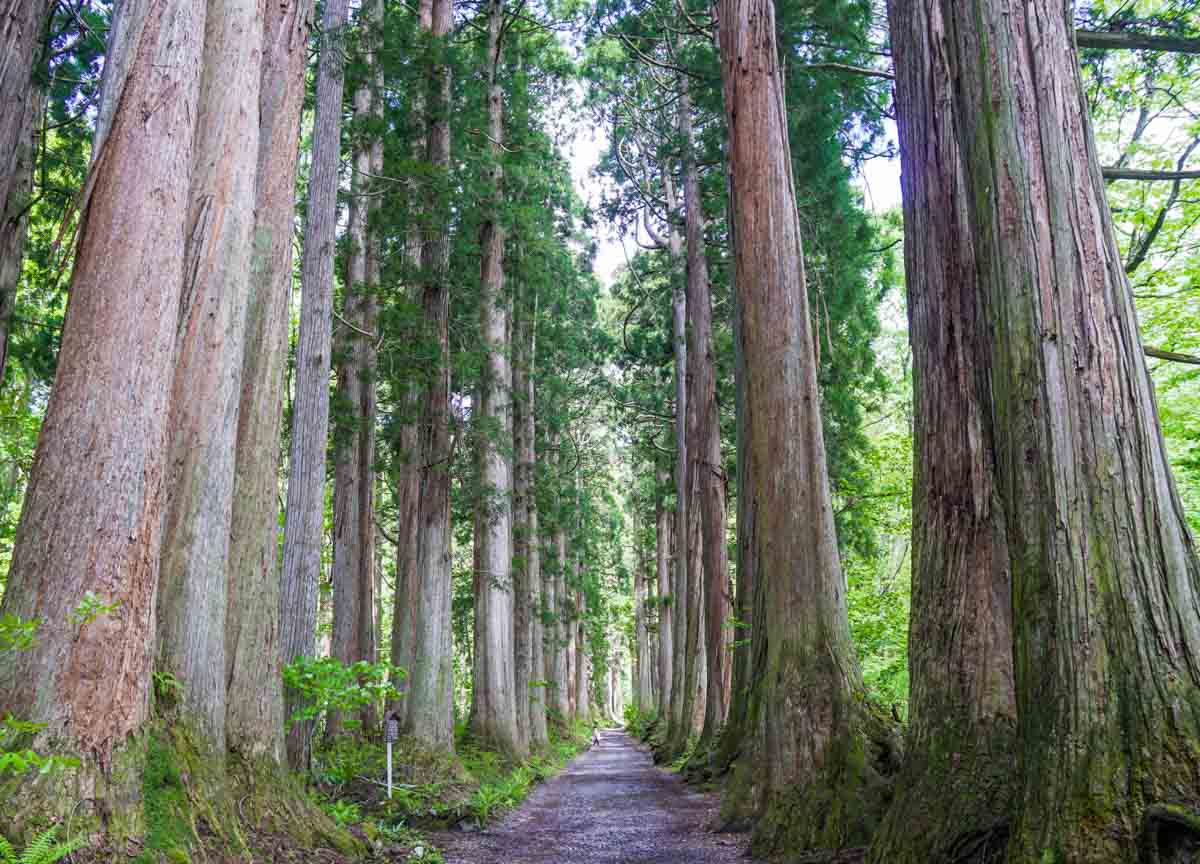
880 519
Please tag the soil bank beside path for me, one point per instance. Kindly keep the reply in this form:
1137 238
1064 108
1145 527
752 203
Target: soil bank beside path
610 805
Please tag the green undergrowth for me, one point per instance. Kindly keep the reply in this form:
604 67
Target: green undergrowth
431 790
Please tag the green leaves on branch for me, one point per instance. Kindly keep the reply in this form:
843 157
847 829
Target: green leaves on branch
327 684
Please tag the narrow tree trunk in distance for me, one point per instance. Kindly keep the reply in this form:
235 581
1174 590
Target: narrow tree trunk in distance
494 684
91 525
523 541
23 95
254 715
813 777
303 527
1106 583
354 465
678 729
559 633
666 605
704 452
571 624
406 601
743 659
583 707
538 733
958 776
643 696
205 397
430 715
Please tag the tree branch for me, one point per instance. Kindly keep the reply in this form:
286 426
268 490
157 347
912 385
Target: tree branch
1136 41
1173 357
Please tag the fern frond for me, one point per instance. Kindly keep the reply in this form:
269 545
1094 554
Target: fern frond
36 851
8 855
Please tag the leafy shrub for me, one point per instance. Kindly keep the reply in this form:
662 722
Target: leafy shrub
327 684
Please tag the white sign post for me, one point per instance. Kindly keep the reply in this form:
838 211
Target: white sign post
391 732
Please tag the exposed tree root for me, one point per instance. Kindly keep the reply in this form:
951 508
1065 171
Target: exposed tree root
1170 835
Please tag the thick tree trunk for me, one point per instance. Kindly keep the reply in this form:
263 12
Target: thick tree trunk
494 691
91 526
303 527
406 600
23 95
811 773
1105 574
958 776
254 720
205 397
352 638
431 690
667 599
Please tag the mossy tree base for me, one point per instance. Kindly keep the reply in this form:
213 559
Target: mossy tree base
954 802
162 796
840 807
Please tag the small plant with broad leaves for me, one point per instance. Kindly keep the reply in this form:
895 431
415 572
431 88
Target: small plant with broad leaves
46 848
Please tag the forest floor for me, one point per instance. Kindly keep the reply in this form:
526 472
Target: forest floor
611 805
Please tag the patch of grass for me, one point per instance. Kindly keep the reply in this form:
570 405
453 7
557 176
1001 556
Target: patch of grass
165 803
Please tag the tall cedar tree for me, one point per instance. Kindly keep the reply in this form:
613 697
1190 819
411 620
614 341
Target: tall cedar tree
303 528
816 744
1105 574
255 718
91 526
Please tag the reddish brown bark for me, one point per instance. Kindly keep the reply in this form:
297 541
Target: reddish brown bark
1106 583
810 774
958 776
92 518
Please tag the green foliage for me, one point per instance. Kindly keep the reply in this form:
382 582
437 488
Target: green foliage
43 849
90 608
327 684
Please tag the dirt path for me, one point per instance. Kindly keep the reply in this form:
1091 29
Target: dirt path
611 805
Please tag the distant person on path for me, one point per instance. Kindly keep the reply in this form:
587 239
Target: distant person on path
595 737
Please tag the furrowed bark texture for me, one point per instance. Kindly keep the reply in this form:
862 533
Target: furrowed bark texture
812 781
958 778
205 397
643 691
494 683
1105 575
431 689
254 718
406 600
666 609
302 533
92 517
354 465
23 95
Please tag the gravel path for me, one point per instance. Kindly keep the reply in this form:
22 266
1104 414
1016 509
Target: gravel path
609 806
